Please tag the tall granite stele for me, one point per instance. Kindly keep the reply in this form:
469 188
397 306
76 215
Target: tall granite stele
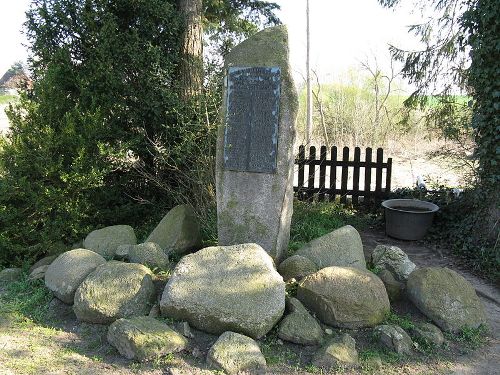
255 156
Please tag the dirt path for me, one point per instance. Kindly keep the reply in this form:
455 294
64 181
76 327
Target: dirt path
487 360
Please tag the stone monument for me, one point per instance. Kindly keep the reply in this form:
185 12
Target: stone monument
255 156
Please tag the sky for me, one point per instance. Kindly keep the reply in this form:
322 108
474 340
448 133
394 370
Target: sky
343 33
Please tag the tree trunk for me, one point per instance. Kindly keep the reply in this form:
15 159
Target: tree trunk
191 62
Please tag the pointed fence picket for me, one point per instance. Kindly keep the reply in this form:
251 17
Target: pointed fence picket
371 192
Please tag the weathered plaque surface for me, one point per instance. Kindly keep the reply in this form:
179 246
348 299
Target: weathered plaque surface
252 118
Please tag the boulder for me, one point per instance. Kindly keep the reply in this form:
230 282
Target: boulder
296 267
105 241
122 251
337 351
65 274
226 288
142 338
429 334
149 254
9 275
342 248
46 261
394 338
115 290
446 298
345 297
38 273
393 287
178 232
299 326
234 353
394 260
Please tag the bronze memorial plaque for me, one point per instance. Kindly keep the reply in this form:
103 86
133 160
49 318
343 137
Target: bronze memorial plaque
252 115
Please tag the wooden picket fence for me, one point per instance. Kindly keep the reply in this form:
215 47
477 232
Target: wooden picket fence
313 187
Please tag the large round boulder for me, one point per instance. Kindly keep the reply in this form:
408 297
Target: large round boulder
446 298
342 248
226 288
105 241
115 290
345 297
178 232
65 274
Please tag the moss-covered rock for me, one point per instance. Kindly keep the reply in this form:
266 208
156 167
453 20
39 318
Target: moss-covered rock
233 288
115 290
235 353
446 298
393 287
296 267
299 326
65 274
428 333
345 297
9 275
143 338
105 241
149 253
341 248
337 351
394 338
178 232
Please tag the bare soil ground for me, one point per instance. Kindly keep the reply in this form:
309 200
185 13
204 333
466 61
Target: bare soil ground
65 346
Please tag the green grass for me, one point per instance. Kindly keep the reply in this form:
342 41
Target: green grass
5 99
470 338
404 322
311 220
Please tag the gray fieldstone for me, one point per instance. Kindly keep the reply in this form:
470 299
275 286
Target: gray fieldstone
345 297
394 338
341 248
122 251
235 353
150 254
178 232
337 351
218 289
428 333
65 274
395 289
105 241
143 338
8 275
257 207
393 259
299 326
42 262
296 267
115 290
446 298
38 273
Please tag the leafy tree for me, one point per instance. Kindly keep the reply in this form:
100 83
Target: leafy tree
103 136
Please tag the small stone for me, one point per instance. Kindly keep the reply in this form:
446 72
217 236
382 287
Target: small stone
328 331
234 353
341 248
122 251
178 232
394 288
374 362
393 259
9 275
337 351
38 273
197 353
143 338
184 329
394 338
148 253
429 334
296 267
299 326
105 241
155 311
42 262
